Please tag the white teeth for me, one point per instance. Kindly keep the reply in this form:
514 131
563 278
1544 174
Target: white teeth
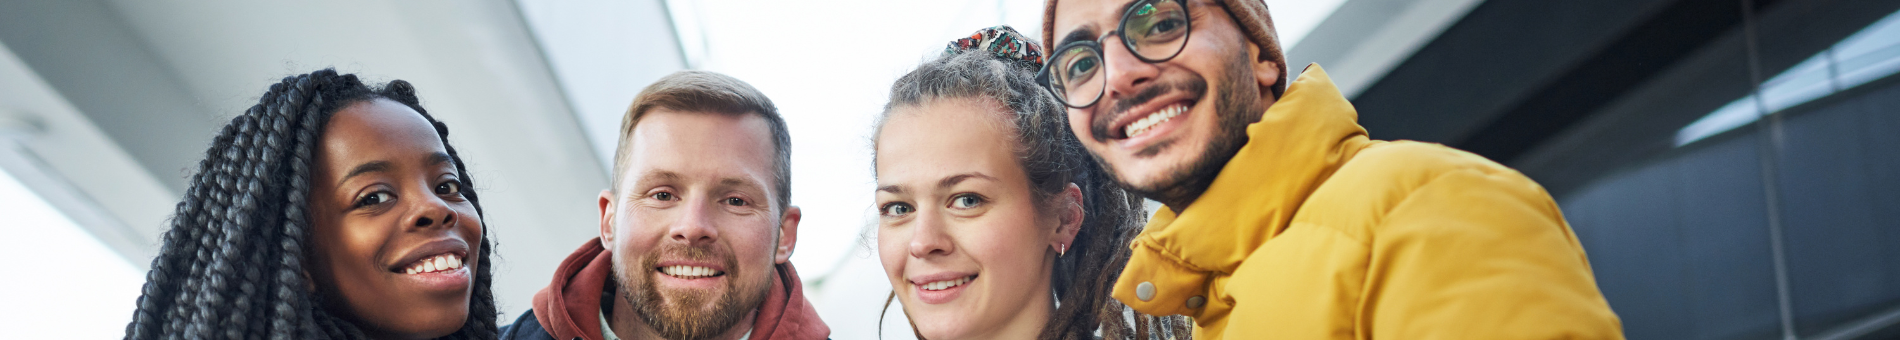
1159 116
444 262
689 271
942 285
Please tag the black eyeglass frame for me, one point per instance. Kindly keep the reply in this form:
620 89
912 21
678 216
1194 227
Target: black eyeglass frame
1043 76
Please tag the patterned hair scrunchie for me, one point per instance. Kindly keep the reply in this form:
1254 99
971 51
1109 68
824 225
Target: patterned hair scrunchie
1002 41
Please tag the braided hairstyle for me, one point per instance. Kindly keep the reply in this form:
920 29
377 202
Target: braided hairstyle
1001 66
232 266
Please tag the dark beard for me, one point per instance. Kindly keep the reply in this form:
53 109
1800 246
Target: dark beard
1235 107
688 317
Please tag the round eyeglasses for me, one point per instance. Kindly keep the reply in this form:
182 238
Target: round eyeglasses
1154 30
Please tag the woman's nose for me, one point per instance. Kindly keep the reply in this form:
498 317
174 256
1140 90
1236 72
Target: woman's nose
432 212
929 238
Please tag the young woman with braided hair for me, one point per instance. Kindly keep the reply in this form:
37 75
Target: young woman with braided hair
329 210
993 222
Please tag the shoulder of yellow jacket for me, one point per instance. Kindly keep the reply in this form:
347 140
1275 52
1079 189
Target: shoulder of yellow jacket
1357 196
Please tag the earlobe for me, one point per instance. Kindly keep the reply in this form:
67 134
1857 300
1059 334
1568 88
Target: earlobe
1076 213
1265 72
788 234
606 219
1072 216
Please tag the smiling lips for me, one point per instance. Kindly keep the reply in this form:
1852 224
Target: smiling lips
940 288
1155 118
947 284
690 272
434 264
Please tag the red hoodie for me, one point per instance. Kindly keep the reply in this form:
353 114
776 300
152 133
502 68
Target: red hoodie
569 308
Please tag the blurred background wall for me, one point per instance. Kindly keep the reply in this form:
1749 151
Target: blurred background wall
1728 164
1711 208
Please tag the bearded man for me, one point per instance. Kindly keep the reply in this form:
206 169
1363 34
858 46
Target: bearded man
696 232
1283 219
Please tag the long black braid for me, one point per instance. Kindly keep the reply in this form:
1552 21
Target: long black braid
232 265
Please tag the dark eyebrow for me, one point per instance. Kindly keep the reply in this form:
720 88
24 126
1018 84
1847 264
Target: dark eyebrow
436 159
374 166
959 178
1087 31
1084 33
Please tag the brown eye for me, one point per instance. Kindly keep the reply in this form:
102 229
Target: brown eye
449 188
663 196
374 198
737 202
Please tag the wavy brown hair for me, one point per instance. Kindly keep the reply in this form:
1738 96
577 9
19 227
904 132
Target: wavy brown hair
1053 158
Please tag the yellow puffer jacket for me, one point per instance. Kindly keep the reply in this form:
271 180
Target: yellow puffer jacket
1313 231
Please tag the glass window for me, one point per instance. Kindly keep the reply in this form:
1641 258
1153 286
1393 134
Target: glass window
1868 55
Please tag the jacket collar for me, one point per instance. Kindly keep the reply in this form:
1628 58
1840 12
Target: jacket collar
569 307
1299 142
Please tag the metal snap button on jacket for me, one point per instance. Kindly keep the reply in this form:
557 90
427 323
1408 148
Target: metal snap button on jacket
1145 291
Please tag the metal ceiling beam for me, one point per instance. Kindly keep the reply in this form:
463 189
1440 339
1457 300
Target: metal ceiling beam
1364 39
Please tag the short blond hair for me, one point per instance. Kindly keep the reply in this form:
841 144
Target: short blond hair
709 92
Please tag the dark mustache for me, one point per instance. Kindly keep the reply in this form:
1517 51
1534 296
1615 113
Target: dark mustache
1195 88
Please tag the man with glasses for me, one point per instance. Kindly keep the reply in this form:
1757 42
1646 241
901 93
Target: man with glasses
1283 218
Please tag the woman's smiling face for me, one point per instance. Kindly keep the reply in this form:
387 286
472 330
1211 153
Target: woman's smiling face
958 230
394 237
